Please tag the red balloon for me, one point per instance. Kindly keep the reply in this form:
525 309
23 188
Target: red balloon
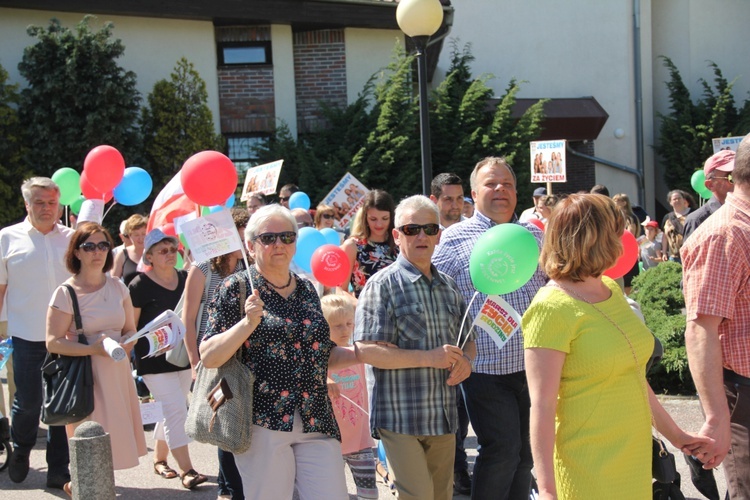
169 229
537 222
208 178
105 167
90 192
628 258
330 265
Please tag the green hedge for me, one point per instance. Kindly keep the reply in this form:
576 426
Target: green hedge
658 292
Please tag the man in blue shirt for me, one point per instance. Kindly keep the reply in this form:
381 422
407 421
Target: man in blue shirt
407 327
496 393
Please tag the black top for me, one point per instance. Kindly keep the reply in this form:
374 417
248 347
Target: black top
153 299
129 268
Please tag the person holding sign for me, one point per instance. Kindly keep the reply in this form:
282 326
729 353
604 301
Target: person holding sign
586 354
153 292
285 340
106 315
407 326
496 393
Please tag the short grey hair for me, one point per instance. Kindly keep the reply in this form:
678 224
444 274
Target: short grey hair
37 182
268 212
490 160
414 204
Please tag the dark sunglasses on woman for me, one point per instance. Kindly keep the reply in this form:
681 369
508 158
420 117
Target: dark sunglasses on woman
90 246
286 237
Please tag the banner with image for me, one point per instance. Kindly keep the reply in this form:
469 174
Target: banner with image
498 320
211 235
346 198
726 143
261 179
548 161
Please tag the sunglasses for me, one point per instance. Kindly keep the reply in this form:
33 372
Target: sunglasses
413 229
167 250
327 216
286 237
728 178
90 246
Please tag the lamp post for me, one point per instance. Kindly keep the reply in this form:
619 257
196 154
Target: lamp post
419 20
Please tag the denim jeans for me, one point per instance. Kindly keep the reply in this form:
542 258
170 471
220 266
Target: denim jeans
28 358
459 463
498 407
229 479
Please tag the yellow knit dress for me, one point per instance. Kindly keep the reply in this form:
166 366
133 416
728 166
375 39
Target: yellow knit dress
603 421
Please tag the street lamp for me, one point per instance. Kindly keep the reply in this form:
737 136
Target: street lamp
419 20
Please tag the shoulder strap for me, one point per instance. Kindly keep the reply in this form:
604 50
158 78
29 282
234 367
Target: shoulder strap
76 314
208 283
243 295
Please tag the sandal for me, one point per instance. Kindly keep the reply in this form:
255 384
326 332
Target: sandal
163 469
191 479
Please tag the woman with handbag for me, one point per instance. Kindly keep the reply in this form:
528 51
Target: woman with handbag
202 280
106 312
153 292
285 340
586 353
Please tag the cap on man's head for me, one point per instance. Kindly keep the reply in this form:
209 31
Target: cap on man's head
722 161
468 200
540 192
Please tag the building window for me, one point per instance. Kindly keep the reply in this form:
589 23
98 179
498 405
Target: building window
242 152
244 53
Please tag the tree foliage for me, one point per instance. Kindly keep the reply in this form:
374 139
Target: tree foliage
177 123
12 170
77 96
687 130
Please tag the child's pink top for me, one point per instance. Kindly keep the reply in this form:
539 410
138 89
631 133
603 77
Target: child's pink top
353 423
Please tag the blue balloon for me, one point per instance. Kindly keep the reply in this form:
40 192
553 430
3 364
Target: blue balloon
134 188
215 208
230 201
299 200
331 235
309 239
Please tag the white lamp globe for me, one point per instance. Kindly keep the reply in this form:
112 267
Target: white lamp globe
419 17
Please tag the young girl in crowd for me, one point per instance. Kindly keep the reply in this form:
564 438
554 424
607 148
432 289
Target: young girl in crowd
348 391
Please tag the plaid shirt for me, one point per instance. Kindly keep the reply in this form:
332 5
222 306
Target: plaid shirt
716 274
452 257
401 306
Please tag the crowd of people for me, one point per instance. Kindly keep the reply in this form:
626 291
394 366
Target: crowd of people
391 354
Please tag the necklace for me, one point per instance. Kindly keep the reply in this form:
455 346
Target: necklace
280 287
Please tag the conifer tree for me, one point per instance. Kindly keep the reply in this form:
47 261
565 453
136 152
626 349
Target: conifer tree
11 153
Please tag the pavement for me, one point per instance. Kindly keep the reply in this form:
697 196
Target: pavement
141 482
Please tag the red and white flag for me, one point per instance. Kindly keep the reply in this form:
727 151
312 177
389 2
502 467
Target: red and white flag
172 202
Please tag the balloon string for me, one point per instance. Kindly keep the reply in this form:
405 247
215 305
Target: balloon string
355 404
463 321
110 208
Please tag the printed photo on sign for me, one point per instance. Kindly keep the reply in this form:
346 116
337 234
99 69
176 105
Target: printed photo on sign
211 235
498 320
726 144
548 161
346 198
261 179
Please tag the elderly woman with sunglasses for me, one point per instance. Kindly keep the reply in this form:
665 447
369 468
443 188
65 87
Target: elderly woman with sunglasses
106 312
153 292
284 339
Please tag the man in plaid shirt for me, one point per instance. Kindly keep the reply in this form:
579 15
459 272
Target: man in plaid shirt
716 275
496 393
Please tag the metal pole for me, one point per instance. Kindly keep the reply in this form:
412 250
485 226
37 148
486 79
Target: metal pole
420 42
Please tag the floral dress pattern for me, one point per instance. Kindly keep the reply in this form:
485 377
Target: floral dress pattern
288 353
371 258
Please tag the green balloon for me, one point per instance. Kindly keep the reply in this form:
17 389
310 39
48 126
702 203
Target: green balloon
180 262
503 259
184 241
697 181
75 207
205 211
705 193
69 182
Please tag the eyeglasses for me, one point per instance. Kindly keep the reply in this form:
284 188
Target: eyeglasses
327 216
167 250
300 225
284 198
90 246
728 178
413 229
268 239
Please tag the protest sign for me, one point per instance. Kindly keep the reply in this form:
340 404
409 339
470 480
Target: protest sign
346 198
163 332
548 161
152 412
498 320
261 179
726 143
211 235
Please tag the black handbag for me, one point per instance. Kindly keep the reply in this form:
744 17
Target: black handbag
68 381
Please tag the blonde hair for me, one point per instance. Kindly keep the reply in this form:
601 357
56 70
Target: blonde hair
335 305
135 221
582 237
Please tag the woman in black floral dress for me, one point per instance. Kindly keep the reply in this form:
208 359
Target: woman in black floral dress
285 340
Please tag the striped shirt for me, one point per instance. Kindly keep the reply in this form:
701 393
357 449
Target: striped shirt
401 306
716 272
452 258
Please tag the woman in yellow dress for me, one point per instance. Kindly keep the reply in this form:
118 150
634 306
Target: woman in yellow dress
586 354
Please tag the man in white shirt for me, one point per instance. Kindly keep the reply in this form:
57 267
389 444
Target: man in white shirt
32 266
531 213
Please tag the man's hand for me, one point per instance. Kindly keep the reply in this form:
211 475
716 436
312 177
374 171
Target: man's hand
460 371
444 356
714 453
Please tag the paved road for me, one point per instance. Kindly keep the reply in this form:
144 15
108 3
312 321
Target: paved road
142 483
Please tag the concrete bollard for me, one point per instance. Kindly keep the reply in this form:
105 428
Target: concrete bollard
91 471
